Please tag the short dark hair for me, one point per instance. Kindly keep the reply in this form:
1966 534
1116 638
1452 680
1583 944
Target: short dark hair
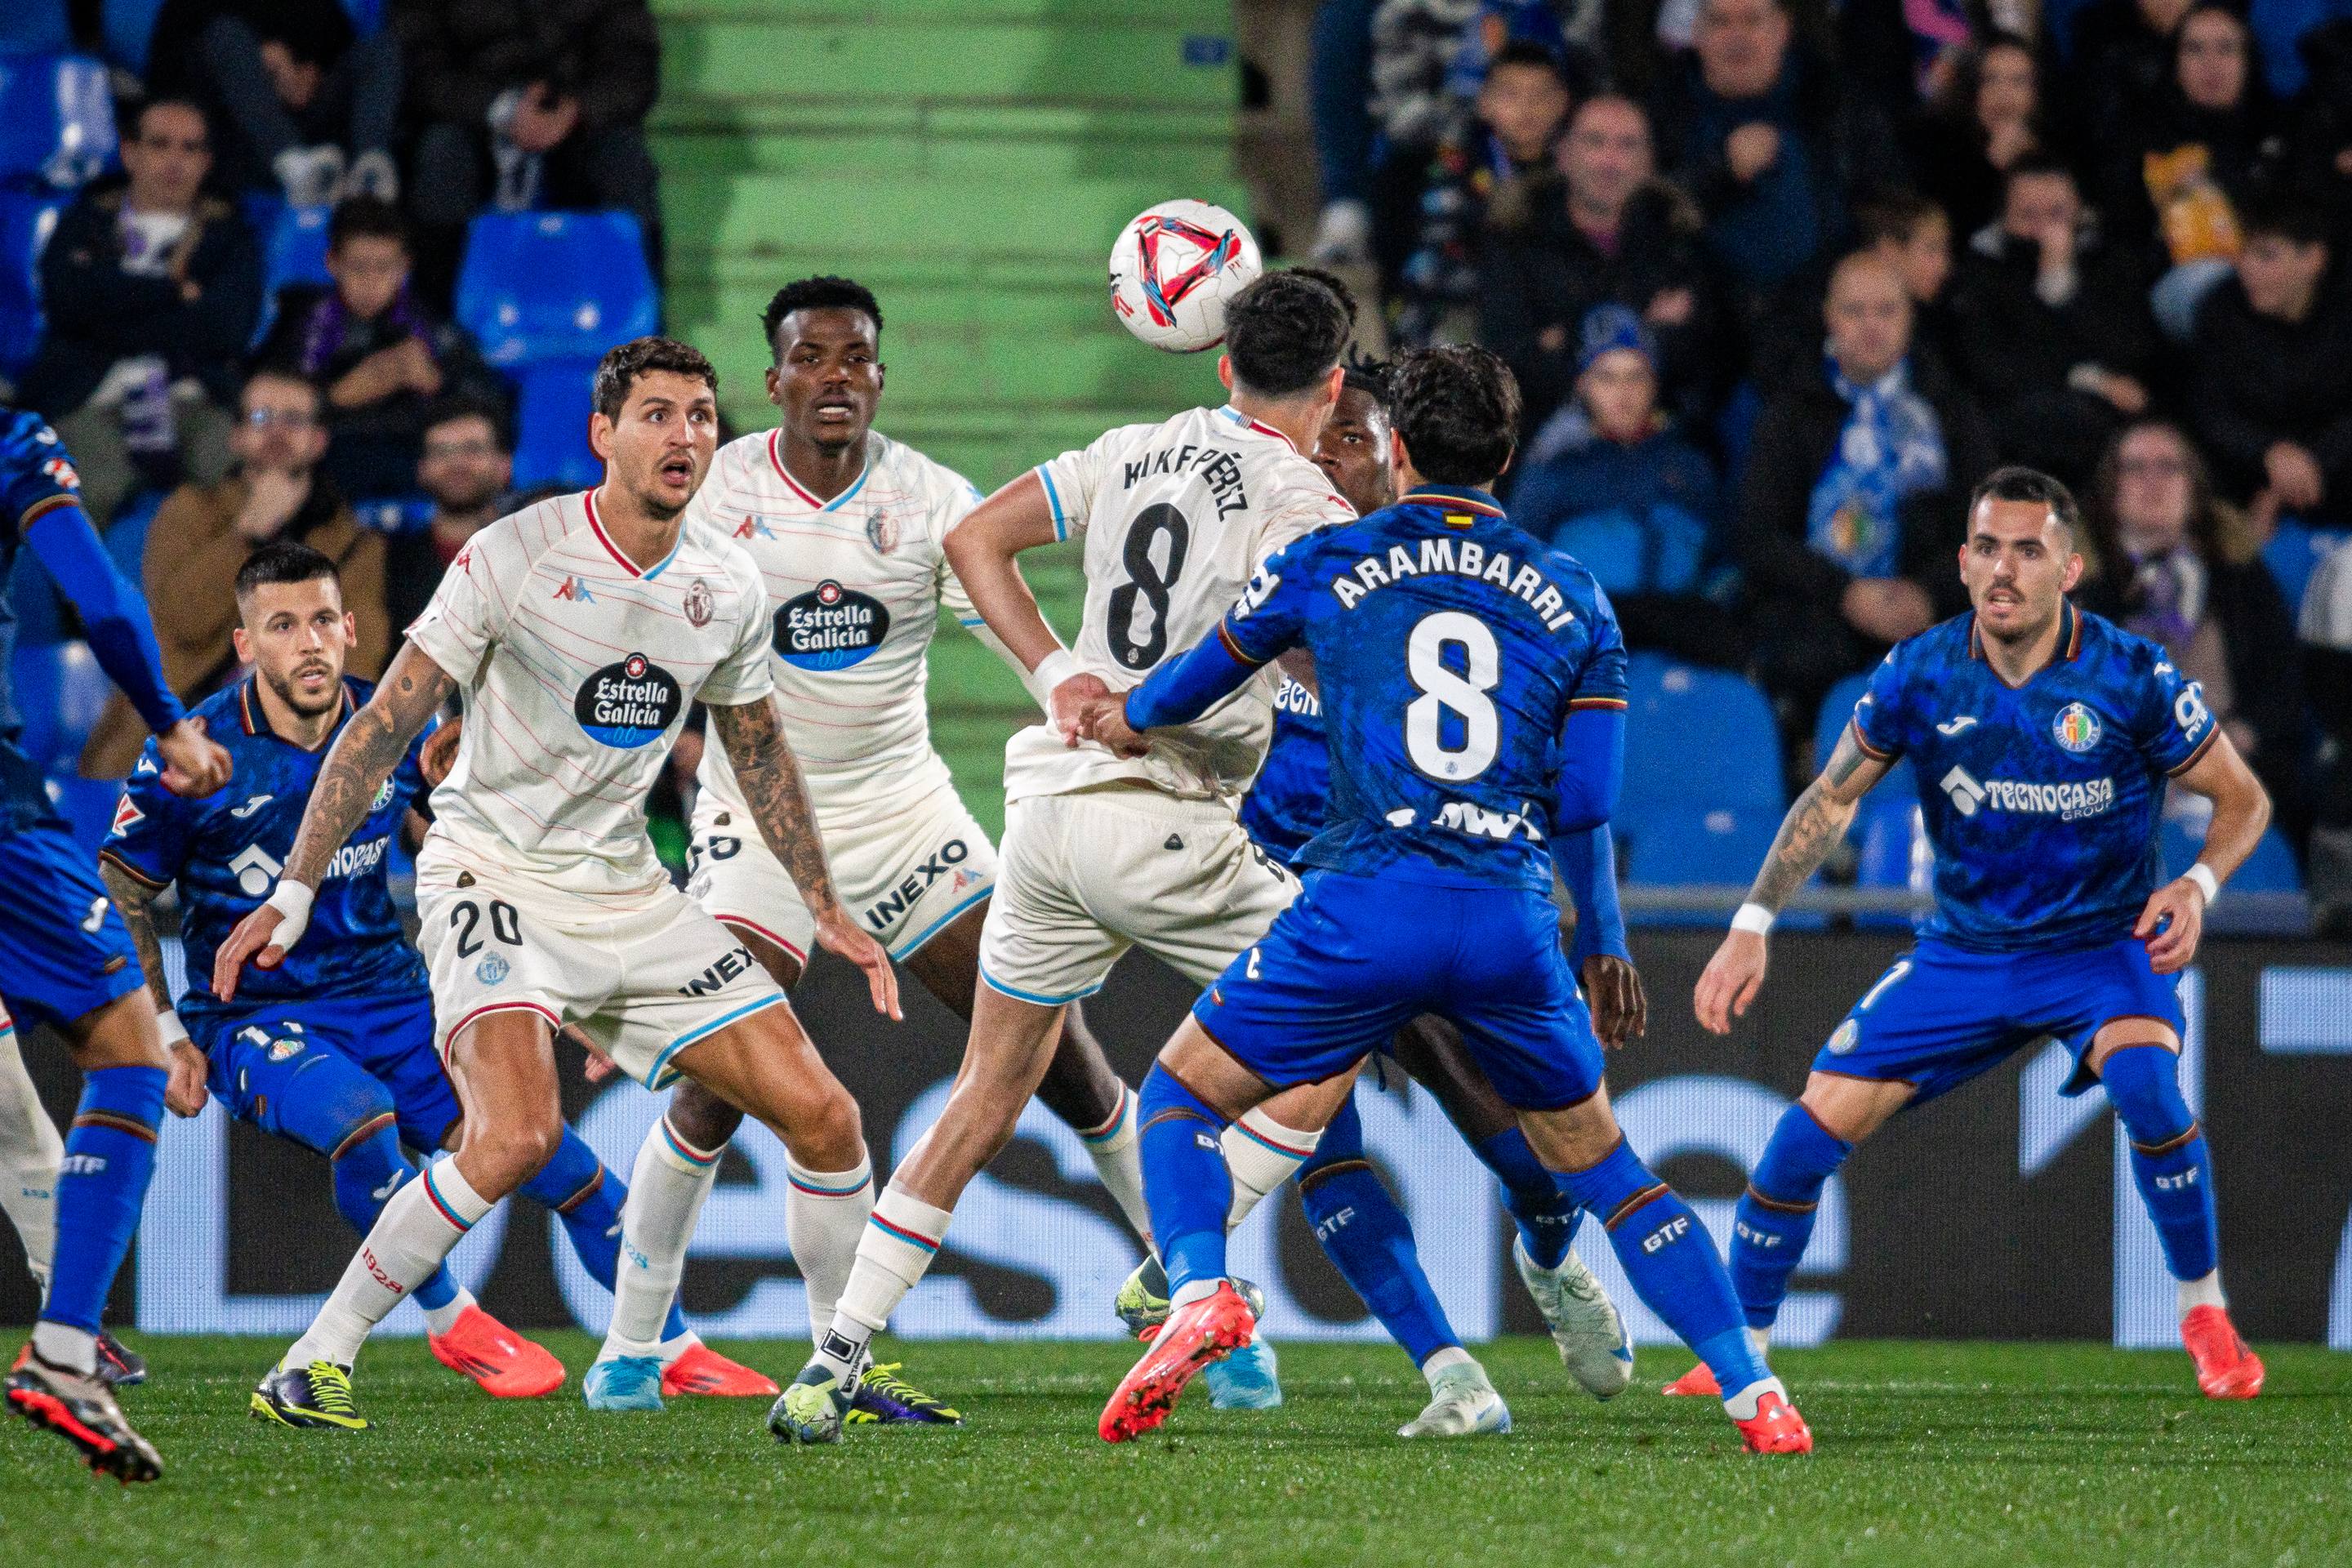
276 369
2017 482
2289 215
1893 214
284 561
455 406
1368 376
168 100
1287 329
1528 52
1458 410
618 370
2040 166
824 293
365 217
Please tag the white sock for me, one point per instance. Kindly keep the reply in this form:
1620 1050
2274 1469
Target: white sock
666 1187
1117 1150
1192 1290
444 1318
1760 1336
75 1350
1742 1404
1439 1360
416 1231
30 1152
902 1235
824 1222
673 1351
2205 1292
1262 1154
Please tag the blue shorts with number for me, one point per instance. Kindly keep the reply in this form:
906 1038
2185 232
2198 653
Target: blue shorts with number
63 951
1354 959
316 1072
1942 1015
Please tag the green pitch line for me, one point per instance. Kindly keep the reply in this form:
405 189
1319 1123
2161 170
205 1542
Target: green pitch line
1940 1454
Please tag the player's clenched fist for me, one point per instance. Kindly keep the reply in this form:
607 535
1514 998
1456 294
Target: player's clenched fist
838 936
1729 981
1068 703
2170 925
195 764
1620 1009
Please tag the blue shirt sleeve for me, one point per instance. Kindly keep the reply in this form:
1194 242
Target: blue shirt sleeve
2171 724
1882 720
153 827
1587 866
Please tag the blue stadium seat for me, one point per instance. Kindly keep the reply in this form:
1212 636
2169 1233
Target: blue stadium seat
57 119
27 218
34 28
2294 552
1676 846
60 691
2270 868
540 285
126 536
1680 712
551 425
128 26
293 255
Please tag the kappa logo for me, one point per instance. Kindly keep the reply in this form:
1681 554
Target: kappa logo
575 590
754 526
252 804
1950 727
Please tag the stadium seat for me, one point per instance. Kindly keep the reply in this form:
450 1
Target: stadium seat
128 27
34 28
56 120
2294 552
551 425
295 253
59 691
1680 712
1665 845
126 536
27 218
2270 868
541 286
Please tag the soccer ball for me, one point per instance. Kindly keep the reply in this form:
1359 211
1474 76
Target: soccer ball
1172 270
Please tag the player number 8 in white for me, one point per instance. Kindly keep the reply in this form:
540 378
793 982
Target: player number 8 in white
1441 689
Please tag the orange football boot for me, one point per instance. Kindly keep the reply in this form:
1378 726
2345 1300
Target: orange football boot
704 1371
2227 1367
1697 1380
1775 1428
507 1365
1196 1333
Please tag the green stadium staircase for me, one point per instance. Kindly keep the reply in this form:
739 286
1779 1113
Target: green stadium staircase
971 161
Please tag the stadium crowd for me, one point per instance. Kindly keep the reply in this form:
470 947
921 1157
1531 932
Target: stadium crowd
1780 281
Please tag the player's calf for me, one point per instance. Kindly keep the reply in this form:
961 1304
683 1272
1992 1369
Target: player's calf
1775 1217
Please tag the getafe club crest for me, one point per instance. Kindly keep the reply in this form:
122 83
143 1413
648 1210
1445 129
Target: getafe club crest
698 603
2077 728
882 532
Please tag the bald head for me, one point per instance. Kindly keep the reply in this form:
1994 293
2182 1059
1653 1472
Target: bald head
1868 314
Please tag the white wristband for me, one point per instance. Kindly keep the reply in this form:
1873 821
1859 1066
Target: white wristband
1752 918
2207 883
1052 670
168 1024
292 899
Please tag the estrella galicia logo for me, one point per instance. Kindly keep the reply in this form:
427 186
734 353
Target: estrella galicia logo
2077 728
628 704
831 628
491 970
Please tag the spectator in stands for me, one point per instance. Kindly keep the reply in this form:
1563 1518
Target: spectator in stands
2319 127
1989 117
381 354
1910 234
2178 565
2123 58
525 104
2059 339
1610 233
203 534
303 107
2271 374
1850 518
150 291
1493 162
1610 481
2178 172
2327 631
467 467
1764 140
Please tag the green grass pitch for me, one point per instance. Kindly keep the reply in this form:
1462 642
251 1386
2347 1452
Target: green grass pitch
1928 1453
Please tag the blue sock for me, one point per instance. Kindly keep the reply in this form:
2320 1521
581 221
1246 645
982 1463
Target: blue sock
1185 1183
2169 1160
587 1198
1368 1237
1775 1219
110 1155
369 1168
1538 1204
1671 1261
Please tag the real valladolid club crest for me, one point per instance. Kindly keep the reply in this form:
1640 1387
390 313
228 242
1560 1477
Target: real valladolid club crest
882 532
698 603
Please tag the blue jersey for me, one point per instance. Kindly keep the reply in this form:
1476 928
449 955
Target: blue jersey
1285 808
36 478
1451 648
2041 800
226 850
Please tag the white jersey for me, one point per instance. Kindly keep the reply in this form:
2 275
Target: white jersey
578 668
1177 516
855 586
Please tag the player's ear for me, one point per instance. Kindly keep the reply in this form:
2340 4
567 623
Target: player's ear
1225 371
243 645
351 629
599 436
775 387
2073 572
1333 382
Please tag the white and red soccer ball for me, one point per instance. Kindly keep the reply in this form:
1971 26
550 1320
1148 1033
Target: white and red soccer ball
1172 270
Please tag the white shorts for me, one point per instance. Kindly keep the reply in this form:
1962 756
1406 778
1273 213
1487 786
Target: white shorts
1088 875
905 877
643 983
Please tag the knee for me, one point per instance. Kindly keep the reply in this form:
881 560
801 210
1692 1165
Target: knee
702 1118
827 1135
2143 1083
516 1148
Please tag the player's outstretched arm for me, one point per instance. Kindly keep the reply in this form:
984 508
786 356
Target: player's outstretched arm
134 900
779 798
2173 920
1814 824
362 757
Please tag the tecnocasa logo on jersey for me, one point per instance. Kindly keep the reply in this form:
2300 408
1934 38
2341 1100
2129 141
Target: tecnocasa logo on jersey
629 703
829 627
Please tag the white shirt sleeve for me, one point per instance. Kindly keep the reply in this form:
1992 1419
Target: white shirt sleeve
1298 510
1073 480
477 597
744 674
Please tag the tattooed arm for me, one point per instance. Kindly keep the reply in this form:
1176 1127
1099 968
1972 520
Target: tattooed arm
363 756
771 779
1817 820
134 898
